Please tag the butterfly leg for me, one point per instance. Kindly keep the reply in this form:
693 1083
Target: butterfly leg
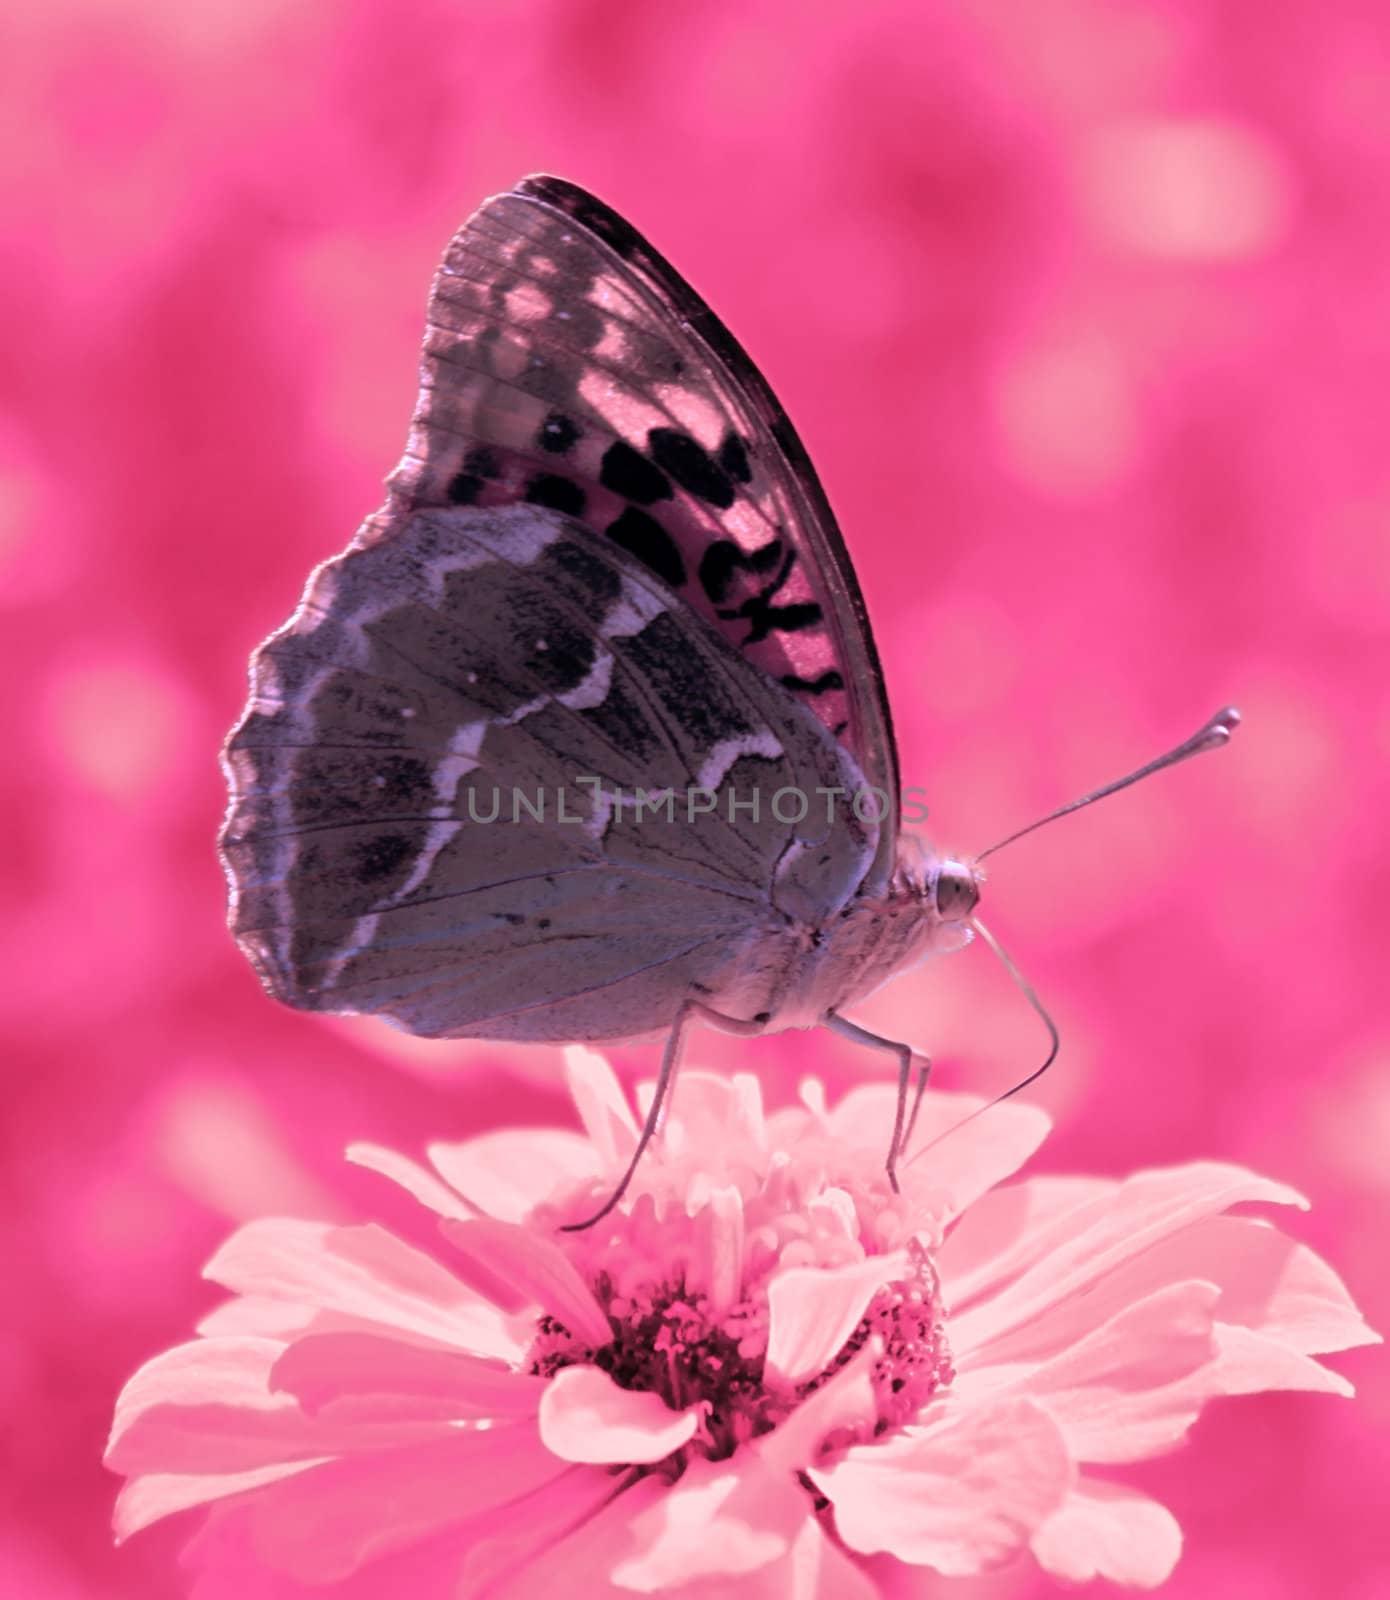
903 1123
665 1081
923 1075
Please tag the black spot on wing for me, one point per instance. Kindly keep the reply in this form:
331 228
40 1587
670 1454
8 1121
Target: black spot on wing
734 459
481 462
631 475
786 619
644 537
724 558
822 685
559 494
691 465
464 488
557 434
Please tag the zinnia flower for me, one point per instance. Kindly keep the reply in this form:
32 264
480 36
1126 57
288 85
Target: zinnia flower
761 1368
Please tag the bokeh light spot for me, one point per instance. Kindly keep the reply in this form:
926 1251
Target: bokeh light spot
1208 189
117 726
1066 414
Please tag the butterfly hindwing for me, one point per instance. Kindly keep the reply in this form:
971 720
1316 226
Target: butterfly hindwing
380 860
568 365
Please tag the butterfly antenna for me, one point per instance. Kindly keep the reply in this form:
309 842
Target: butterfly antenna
1213 733
1030 994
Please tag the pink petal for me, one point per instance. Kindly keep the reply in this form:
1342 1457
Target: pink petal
961 1496
714 1113
737 1527
813 1310
586 1417
1104 1531
1081 1246
587 1564
820 1570
1132 1387
537 1269
362 1272
722 1520
364 1375
508 1173
155 1495
717 1269
411 1177
512 1536
1268 1282
259 1317
1006 1231
230 1567
208 1407
844 1402
1248 1363
327 1522
580 1564
969 1159
602 1106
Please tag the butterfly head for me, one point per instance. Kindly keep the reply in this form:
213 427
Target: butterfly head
956 890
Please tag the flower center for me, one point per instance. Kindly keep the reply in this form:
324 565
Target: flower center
671 1342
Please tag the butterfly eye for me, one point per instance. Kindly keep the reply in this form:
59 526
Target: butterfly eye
957 891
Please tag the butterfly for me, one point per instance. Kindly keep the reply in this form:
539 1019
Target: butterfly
585 736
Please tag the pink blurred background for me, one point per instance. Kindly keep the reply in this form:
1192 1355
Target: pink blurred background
1084 312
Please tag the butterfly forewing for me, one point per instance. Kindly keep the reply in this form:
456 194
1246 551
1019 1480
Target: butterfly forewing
568 365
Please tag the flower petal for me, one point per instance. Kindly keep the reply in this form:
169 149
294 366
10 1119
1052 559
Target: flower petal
327 1522
537 1269
149 1498
586 1417
364 1375
262 1318
208 1407
1081 1246
1269 1282
961 1496
509 1173
579 1564
363 1272
1132 1387
617 1541
230 1566
813 1310
719 1521
511 1537
1104 1531
843 1404
715 1114
1248 1363
1005 1231
969 1158
820 1570
603 1109
411 1176
717 1269
736 1528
